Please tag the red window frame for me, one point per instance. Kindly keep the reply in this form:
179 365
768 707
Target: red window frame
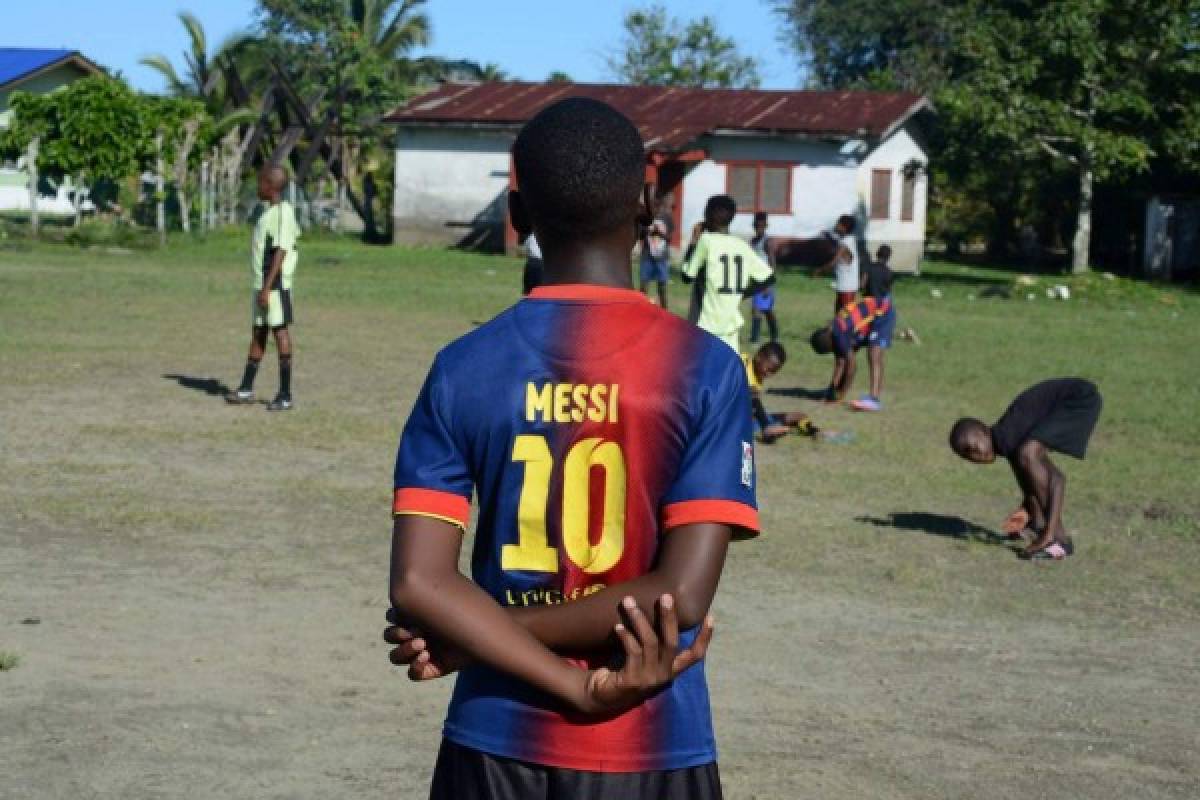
759 166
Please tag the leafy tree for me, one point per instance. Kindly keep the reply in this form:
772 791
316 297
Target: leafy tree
659 50
353 53
1028 93
879 44
558 76
1098 86
434 69
93 129
353 49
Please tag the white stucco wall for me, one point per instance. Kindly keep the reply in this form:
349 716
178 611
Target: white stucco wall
823 183
452 183
449 182
894 154
828 180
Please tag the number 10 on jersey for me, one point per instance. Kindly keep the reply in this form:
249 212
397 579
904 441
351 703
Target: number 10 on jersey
533 552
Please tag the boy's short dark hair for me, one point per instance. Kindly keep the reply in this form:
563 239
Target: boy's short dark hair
964 431
774 349
821 341
884 252
720 210
580 168
847 221
760 216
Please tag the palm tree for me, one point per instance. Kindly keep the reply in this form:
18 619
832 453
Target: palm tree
392 27
203 77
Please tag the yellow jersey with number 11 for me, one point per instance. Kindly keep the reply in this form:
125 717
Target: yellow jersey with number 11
730 265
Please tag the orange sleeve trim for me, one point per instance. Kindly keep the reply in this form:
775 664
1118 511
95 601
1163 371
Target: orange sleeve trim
722 512
447 506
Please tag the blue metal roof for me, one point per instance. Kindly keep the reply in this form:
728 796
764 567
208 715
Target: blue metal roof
17 62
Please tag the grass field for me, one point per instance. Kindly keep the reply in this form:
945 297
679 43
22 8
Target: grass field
194 593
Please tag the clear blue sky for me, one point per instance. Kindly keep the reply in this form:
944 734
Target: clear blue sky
528 38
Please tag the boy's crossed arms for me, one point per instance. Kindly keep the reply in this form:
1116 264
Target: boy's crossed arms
444 621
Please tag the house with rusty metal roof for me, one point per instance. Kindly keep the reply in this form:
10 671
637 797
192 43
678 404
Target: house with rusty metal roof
39 71
803 157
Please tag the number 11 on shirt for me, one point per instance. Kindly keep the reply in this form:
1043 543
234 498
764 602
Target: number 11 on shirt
738 285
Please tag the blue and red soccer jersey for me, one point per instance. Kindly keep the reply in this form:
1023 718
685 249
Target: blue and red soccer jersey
588 423
869 321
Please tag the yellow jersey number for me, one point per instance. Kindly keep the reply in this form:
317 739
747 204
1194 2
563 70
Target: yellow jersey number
533 552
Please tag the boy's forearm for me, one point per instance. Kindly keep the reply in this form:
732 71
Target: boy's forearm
689 570
448 605
276 268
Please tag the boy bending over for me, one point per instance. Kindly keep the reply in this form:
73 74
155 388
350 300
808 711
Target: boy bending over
1056 415
869 323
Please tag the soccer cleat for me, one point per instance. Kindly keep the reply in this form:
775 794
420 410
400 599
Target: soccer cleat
240 397
867 403
280 403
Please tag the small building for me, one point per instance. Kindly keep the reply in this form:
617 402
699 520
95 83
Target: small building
804 157
38 71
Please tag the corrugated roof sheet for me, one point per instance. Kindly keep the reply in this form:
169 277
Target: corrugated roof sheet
671 118
16 62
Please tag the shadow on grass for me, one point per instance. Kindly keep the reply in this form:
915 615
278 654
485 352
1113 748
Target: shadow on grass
210 386
930 277
937 525
798 391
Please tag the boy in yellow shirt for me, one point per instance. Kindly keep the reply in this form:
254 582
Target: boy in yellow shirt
273 260
729 270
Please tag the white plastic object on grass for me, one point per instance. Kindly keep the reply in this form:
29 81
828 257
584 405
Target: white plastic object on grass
935 293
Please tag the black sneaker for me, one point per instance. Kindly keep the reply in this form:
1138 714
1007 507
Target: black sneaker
280 403
239 397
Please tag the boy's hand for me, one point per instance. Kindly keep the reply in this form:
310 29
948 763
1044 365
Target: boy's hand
264 298
773 432
426 659
652 659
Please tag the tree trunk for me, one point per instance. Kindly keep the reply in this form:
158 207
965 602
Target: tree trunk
204 195
214 189
31 157
181 170
160 193
1083 226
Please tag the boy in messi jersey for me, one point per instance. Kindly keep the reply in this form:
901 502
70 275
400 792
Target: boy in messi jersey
870 323
728 267
608 490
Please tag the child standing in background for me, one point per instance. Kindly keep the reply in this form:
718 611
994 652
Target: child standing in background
763 304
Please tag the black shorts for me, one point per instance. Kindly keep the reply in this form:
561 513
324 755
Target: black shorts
466 774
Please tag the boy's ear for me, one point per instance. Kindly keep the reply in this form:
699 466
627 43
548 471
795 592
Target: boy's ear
518 215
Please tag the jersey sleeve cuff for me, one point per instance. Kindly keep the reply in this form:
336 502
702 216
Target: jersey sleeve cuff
742 517
446 506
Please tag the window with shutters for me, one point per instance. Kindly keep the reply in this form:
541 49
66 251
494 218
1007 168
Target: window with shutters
908 196
760 186
881 193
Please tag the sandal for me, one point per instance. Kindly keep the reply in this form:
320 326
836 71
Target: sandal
1055 551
